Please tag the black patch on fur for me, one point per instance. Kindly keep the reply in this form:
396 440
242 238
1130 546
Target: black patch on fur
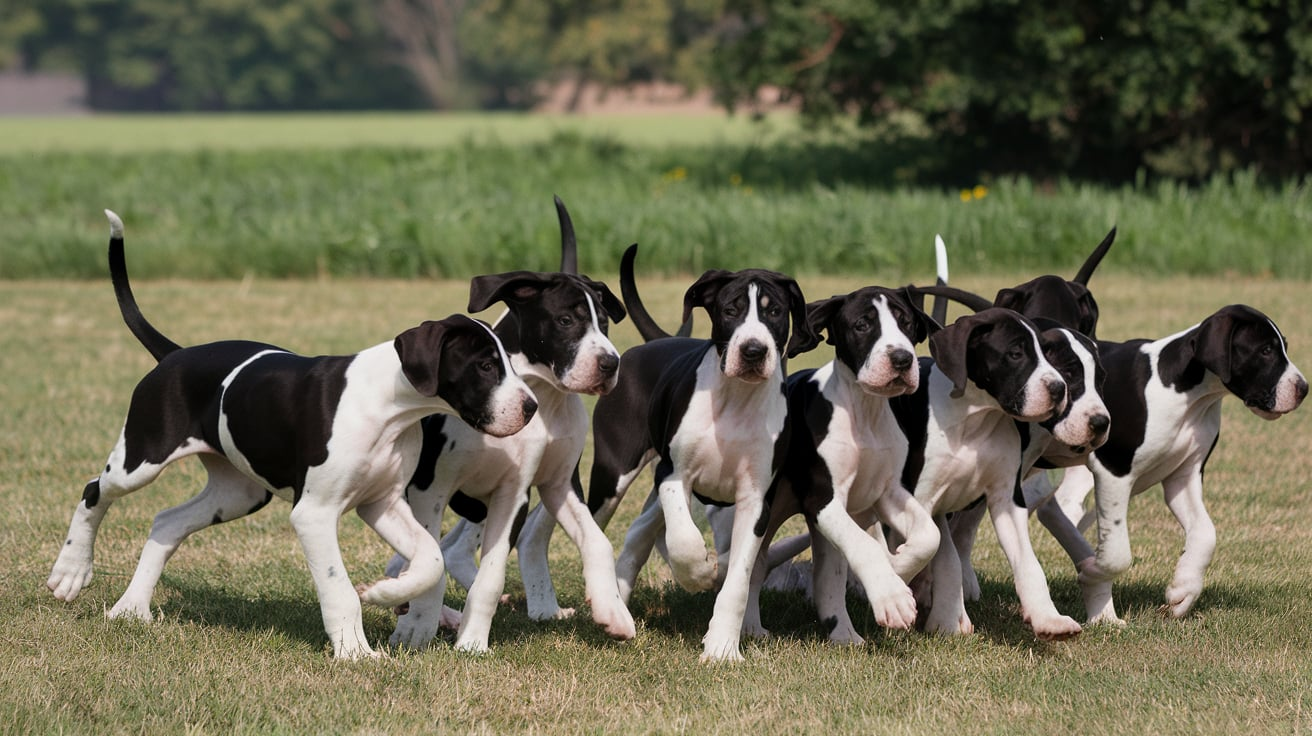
912 413
434 444
91 493
1129 370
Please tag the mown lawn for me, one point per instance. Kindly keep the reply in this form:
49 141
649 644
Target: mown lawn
238 646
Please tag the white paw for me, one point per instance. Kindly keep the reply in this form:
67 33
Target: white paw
1107 618
1180 598
615 619
127 609
472 645
384 593
1054 627
351 644
895 606
720 649
949 624
71 573
416 629
699 576
549 613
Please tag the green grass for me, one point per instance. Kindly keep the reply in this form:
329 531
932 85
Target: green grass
239 646
448 197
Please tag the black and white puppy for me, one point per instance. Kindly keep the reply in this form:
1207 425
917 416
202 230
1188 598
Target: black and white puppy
845 459
712 412
988 370
555 334
329 434
1166 419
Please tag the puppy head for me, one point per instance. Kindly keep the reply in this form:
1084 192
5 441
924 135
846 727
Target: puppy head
461 362
558 321
1068 303
1083 425
1246 350
998 350
874 332
750 313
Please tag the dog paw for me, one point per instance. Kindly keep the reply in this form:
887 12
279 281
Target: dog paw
351 644
1180 599
415 630
69 577
697 577
129 609
950 625
472 645
845 635
755 630
615 620
896 608
717 649
549 613
969 584
1055 627
1106 618
450 619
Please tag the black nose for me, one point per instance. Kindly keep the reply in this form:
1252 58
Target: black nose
608 364
901 359
530 407
753 351
1099 423
1300 390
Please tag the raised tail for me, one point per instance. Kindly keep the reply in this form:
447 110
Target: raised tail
940 310
647 326
151 338
1095 258
961 296
569 246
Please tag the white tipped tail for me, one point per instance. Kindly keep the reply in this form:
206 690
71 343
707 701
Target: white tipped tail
941 259
115 225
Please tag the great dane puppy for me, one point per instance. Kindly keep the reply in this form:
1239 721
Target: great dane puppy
555 334
713 413
845 458
329 434
1166 419
988 370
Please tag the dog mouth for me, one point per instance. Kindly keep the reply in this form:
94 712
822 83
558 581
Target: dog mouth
896 386
1266 414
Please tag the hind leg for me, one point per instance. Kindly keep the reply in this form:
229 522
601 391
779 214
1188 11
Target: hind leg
229 494
72 570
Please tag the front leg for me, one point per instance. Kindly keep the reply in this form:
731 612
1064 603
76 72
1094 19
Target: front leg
947 613
599 575
638 543
693 565
316 528
394 521
1184 496
485 593
890 598
722 636
1011 522
1111 495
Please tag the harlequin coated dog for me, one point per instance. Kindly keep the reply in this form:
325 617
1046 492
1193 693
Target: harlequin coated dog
329 434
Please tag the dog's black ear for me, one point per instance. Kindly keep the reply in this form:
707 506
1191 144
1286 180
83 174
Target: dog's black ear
420 350
1013 299
1088 319
509 287
819 313
703 291
609 302
804 337
925 324
950 345
1211 343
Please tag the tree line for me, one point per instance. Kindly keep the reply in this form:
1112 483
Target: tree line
1105 89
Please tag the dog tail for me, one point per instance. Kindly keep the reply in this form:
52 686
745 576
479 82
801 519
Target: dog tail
156 343
940 310
569 246
961 296
1094 259
647 326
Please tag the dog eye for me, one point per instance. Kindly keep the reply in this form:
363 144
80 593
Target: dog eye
731 311
564 320
1015 354
1268 350
862 325
487 366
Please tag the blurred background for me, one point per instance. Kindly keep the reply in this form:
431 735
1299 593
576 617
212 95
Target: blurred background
1101 90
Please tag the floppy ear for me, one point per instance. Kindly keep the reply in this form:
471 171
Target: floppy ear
609 302
804 336
1211 344
925 324
703 291
420 351
948 346
819 313
509 287
1088 307
1012 299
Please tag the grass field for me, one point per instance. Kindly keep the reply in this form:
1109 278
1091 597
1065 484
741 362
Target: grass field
238 644
449 196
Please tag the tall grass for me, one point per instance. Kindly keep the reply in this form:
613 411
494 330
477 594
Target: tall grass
837 206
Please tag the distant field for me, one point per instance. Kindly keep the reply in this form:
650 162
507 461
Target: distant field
131 133
451 196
